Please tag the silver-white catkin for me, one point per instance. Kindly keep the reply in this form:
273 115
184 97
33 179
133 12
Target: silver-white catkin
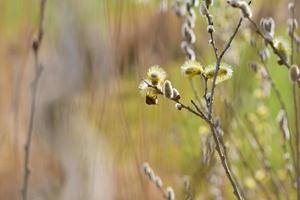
291 6
167 89
158 182
178 106
292 26
267 26
151 175
283 124
176 94
234 3
294 73
246 10
146 168
210 29
170 193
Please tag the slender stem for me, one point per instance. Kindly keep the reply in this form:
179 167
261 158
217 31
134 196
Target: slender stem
218 65
295 105
220 144
211 34
224 163
297 138
35 83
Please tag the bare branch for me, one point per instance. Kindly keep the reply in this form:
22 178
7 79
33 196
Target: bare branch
38 71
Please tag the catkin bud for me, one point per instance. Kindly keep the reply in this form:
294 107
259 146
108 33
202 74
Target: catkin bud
151 175
178 106
191 55
158 182
234 3
170 193
245 8
190 22
176 94
291 6
294 73
283 124
210 29
189 34
167 89
184 45
268 27
264 54
292 26
146 168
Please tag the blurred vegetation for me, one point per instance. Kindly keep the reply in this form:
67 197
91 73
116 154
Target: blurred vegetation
115 41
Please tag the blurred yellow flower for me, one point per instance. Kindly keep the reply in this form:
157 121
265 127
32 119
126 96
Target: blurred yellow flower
250 183
204 130
191 68
224 73
258 93
260 175
262 111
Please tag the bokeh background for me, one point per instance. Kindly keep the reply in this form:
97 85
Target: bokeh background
93 130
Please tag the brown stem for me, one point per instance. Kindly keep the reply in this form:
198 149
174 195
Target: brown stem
295 106
297 138
218 65
38 71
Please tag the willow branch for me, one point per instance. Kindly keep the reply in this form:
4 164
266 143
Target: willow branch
38 71
270 42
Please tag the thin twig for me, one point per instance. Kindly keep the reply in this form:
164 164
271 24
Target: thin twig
211 34
295 105
196 94
297 138
209 102
38 71
219 60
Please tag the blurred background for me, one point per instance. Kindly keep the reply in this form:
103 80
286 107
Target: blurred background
93 130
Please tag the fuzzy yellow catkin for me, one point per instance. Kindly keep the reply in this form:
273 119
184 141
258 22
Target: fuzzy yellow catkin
156 75
191 68
167 89
294 73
